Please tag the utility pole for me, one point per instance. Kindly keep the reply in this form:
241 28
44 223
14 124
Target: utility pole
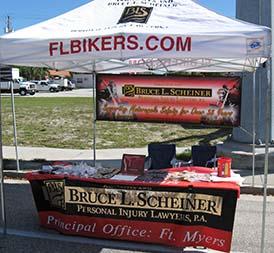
8 28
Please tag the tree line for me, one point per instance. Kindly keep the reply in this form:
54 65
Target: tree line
32 73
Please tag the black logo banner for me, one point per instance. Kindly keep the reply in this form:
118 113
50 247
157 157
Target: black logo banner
211 207
137 14
131 91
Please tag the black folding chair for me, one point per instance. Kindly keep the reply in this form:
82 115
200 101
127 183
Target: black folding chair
160 155
203 155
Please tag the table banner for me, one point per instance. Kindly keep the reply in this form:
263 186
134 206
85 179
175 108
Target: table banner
175 216
170 99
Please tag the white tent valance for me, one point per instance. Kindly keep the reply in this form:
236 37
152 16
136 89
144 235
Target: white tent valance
138 36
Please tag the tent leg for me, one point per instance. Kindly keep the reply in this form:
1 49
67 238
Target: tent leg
253 128
94 117
2 188
14 127
267 133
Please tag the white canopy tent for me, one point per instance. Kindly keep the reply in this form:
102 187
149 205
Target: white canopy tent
139 35
157 36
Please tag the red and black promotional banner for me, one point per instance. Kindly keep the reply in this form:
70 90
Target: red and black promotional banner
169 99
168 214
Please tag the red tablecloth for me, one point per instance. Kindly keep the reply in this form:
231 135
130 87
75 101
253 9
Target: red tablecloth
171 213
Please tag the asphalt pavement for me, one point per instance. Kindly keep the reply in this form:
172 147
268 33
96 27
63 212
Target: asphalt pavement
87 92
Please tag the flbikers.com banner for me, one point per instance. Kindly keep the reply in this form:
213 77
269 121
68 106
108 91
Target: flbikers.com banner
171 215
170 99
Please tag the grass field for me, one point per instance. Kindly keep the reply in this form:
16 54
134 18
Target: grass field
67 123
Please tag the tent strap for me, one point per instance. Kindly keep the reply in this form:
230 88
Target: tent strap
267 138
2 188
94 114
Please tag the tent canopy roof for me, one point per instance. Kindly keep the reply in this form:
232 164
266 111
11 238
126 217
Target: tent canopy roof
138 36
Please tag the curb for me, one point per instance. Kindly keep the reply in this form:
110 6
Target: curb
256 190
15 174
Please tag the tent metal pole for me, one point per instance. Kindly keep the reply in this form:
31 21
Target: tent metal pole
14 127
267 134
94 116
253 128
260 12
2 188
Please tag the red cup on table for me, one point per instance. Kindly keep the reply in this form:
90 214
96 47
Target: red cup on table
224 166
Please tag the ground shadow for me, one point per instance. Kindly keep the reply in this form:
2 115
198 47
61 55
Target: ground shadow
205 138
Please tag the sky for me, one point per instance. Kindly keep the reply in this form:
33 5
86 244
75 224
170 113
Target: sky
29 12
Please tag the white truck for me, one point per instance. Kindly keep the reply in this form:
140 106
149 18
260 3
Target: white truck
21 87
65 84
10 77
46 85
